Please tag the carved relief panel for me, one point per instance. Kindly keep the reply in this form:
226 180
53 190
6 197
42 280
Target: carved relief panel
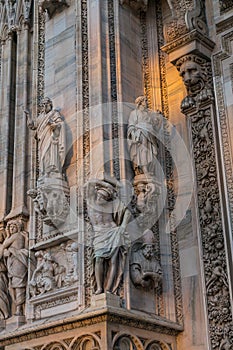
55 277
200 111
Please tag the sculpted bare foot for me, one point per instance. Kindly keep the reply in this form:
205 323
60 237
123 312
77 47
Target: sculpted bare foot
99 291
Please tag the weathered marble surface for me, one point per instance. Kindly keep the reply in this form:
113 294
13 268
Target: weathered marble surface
97 53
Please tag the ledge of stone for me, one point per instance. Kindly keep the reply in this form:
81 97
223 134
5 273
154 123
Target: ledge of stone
88 317
193 42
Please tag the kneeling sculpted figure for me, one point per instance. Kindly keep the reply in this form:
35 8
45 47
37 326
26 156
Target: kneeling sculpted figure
109 218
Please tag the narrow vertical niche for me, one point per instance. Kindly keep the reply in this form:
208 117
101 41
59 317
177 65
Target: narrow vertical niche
12 101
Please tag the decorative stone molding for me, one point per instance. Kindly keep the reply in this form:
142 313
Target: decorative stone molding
199 108
52 6
51 200
91 342
195 18
225 6
113 72
136 5
190 43
186 16
212 235
126 342
78 323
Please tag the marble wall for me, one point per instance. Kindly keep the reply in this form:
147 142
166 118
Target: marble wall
93 58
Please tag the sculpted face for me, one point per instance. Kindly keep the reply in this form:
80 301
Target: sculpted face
143 104
13 229
192 76
148 251
47 106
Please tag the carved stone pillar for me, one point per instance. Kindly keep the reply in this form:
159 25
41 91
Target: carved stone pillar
18 205
7 127
194 65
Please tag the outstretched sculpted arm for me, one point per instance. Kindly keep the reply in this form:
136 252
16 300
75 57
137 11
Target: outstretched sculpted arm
30 122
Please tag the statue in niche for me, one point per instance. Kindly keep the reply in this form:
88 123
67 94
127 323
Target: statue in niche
144 201
51 197
142 128
145 270
47 276
11 7
15 251
109 218
50 133
72 259
4 291
197 78
146 193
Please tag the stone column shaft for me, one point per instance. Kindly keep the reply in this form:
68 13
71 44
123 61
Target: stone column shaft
5 125
20 141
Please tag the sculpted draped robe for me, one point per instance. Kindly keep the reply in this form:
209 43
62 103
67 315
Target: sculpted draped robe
17 265
51 143
141 137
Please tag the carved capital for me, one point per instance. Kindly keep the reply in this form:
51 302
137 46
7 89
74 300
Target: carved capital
136 5
52 6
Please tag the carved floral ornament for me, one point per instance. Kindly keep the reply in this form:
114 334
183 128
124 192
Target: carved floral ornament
197 105
185 16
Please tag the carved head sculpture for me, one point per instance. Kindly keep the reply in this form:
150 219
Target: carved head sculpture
48 257
103 195
141 101
14 226
148 244
192 71
47 105
105 191
39 255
